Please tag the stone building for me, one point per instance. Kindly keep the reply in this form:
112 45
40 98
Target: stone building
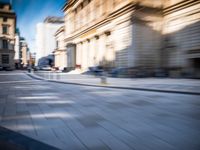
60 51
7 36
32 57
156 34
24 53
101 32
17 50
181 33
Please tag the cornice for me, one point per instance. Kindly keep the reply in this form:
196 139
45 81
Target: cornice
7 14
179 6
69 4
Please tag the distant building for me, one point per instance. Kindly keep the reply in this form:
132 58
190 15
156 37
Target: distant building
7 36
17 50
45 40
24 53
60 51
32 58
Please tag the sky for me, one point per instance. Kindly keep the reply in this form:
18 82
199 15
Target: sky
31 12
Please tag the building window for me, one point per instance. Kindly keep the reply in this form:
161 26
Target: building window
5 19
5 59
5 44
5 29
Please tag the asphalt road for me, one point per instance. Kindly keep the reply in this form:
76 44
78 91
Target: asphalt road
93 118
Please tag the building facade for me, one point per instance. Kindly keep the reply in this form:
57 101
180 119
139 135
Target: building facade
7 36
32 56
60 52
17 50
103 32
133 33
45 40
24 53
181 31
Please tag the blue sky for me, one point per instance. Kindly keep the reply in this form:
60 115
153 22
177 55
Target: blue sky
30 12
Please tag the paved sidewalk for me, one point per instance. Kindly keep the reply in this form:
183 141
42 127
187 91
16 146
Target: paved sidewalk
185 86
42 115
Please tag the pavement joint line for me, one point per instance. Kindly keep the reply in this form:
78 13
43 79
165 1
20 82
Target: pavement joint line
8 74
115 87
8 82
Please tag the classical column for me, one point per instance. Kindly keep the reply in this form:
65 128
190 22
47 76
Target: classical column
83 56
92 49
96 51
78 54
88 48
110 53
102 49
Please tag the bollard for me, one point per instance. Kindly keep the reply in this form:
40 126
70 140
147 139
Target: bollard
103 78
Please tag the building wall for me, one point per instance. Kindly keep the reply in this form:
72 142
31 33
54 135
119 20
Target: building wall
134 33
60 59
17 48
60 51
104 36
182 30
91 46
45 39
24 59
7 19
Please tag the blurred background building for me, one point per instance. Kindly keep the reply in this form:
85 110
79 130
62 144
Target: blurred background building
60 51
24 53
148 36
7 36
17 50
45 40
32 58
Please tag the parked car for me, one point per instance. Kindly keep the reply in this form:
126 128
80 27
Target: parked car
96 70
8 69
36 68
46 68
119 72
128 72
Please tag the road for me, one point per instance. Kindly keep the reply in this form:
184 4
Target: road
94 118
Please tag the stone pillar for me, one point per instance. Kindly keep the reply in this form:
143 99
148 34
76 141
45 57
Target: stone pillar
102 49
77 54
92 49
110 53
96 57
84 55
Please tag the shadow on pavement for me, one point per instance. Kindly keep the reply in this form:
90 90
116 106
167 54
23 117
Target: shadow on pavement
10 140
